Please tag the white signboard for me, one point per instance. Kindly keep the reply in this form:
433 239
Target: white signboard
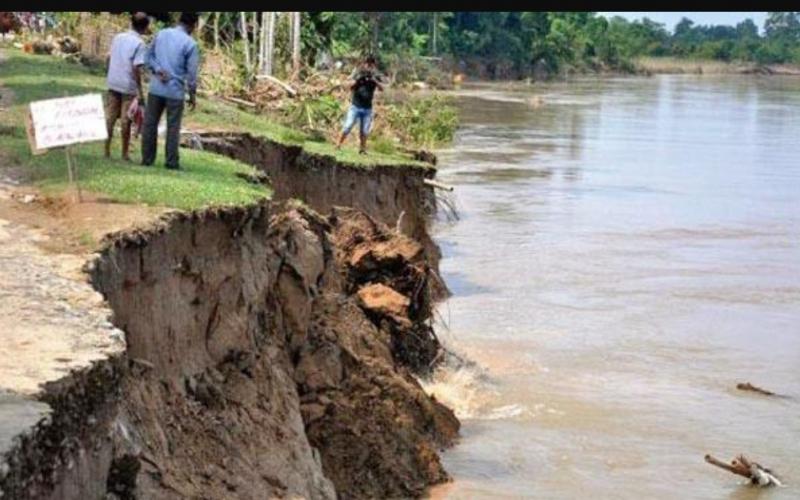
68 120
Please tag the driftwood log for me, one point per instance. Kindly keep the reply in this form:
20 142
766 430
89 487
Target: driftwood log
747 386
742 466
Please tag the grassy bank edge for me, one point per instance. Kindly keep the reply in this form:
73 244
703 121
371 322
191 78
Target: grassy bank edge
208 179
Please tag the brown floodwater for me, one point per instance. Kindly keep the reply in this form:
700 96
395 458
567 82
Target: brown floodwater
628 251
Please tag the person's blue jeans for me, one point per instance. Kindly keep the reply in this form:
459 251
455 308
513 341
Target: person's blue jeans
363 115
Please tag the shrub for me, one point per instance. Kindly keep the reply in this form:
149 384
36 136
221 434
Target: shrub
221 74
314 113
423 121
384 145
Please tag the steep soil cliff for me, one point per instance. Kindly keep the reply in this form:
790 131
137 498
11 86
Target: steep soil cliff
270 351
388 193
254 349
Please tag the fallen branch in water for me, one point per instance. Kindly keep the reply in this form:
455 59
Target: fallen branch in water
756 473
438 185
747 386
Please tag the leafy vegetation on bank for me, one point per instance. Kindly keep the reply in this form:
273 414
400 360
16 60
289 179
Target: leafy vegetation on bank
513 44
418 45
519 41
429 121
780 42
208 179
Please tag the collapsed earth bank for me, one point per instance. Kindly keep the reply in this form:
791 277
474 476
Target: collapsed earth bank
260 346
271 352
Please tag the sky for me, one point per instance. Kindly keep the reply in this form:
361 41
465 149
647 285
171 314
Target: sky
670 19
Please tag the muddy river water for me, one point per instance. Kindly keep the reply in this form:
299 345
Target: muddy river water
628 251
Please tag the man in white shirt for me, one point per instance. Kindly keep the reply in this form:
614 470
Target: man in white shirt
127 55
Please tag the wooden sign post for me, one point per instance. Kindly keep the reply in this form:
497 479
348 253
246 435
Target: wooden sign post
55 123
72 169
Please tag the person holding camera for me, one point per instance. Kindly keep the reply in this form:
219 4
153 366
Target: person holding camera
364 81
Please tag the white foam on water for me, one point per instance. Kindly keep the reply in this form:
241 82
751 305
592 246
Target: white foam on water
505 412
459 389
469 391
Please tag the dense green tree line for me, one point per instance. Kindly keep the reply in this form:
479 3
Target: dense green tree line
557 40
520 42
779 44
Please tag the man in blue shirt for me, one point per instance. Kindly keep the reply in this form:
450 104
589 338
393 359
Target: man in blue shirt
173 59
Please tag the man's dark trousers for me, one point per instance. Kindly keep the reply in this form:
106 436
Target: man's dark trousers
152 114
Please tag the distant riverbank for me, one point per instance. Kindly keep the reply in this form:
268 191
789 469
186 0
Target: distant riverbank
673 65
641 66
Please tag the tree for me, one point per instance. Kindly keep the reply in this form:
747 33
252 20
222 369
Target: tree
783 26
434 32
295 39
216 30
245 40
782 30
503 44
683 28
747 29
266 43
374 22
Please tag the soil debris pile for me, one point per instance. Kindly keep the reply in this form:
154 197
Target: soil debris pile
257 368
377 430
383 302
394 283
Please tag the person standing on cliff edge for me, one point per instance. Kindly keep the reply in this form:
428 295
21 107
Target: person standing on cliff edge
173 59
364 81
124 80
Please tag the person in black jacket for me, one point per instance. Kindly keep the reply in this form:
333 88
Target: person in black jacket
364 81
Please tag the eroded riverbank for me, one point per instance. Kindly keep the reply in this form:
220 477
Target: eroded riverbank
270 350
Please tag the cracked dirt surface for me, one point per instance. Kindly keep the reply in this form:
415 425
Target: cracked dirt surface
51 320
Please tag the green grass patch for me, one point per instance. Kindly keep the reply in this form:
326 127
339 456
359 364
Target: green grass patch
35 77
207 179
373 158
